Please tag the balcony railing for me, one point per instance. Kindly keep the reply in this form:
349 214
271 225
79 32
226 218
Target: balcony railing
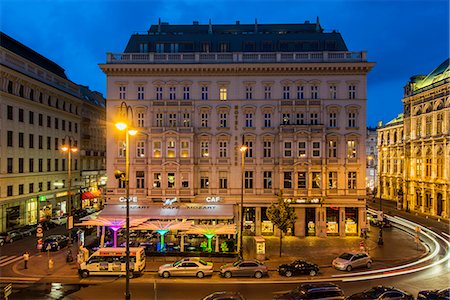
236 57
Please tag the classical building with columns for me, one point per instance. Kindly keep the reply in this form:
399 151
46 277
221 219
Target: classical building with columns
292 93
414 148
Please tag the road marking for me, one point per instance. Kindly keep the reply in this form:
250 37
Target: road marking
9 259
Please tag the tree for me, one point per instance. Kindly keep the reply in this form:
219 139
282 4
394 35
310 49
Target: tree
282 215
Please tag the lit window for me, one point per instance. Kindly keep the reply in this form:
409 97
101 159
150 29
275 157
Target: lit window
184 149
156 148
223 93
171 148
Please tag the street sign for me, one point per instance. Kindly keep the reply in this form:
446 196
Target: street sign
7 290
39 231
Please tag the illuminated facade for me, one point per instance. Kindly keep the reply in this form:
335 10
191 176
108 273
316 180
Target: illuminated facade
418 143
293 94
372 161
39 109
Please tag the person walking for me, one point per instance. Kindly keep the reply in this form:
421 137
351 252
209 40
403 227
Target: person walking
26 257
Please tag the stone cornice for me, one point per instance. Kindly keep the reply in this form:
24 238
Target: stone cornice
348 68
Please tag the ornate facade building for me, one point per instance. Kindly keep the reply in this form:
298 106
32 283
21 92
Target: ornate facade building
292 93
372 161
40 109
418 142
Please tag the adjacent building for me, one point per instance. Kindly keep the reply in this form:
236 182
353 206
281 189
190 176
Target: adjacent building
415 146
40 110
372 161
292 93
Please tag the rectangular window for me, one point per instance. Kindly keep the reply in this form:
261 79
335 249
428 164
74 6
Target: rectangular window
159 120
204 93
172 93
56 123
20 189
352 119
419 167
185 180
49 164
204 149
223 180
156 148
223 146
223 120
300 92
21 139
56 164
301 180
204 181
21 165
248 179
157 180
332 149
122 149
9 139
300 119
267 149
40 165
316 149
184 149
267 120
122 92
40 120
186 93
352 92
9 192
316 180
186 120
267 179
249 152
56 143
287 149
140 92
351 180
351 149
285 119
287 180
314 119
332 120
332 180
267 92
301 149
248 120
159 47
170 180
31 188
314 92
286 92
204 120
172 120
333 92
171 148
49 143
21 115
10 114
140 119
31 165
63 125
159 92
40 142
10 165
248 92
31 117
140 149
428 165
70 126
223 93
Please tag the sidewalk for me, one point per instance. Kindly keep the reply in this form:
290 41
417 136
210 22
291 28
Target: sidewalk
398 248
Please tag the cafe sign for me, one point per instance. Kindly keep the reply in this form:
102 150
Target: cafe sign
132 199
213 199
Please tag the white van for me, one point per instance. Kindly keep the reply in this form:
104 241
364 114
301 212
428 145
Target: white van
112 261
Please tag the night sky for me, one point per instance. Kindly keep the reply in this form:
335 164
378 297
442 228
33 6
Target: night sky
403 37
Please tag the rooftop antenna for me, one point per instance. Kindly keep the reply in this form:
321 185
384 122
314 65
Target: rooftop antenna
159 25
318 27
210 27
256 25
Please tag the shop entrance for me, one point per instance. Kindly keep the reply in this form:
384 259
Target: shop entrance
332 220
310 221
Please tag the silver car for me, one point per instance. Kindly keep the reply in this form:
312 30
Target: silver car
251 268
192 266
350 260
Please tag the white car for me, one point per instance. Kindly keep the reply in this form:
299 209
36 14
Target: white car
59 220
89 210
351 260
190 266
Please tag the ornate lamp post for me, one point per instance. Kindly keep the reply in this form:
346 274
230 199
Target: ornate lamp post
380 237
243 149
126 112
68 148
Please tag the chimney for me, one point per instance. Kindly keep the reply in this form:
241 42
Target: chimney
238 22
159 25
210 27
256 25
318 27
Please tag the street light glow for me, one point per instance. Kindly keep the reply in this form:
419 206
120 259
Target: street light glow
121 126
132 132
243 148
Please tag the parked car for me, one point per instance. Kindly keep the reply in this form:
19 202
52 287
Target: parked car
224 296
55 242
28 230
298 267
251 268
13 235
3 237
382 292
79 213
443 294
61 220
350 260
305 291
90 210
190 266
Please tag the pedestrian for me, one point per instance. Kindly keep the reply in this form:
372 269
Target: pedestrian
26 257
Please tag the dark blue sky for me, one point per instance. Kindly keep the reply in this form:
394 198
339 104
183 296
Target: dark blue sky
403 37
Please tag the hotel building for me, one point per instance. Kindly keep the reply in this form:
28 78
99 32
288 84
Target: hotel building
292 93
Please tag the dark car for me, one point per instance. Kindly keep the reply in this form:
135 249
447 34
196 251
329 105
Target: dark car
382 292
3 237
28 230
328 291
298 267
54 242
13 235
224 296
434 294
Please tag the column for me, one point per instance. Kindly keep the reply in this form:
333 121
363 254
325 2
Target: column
182 242
217 244
258 220
321 225
342 221
299 226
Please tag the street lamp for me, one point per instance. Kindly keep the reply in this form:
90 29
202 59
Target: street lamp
243 149
123 125
68 148
380 237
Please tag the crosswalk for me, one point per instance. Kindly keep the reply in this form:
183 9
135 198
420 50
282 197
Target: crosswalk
6 260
